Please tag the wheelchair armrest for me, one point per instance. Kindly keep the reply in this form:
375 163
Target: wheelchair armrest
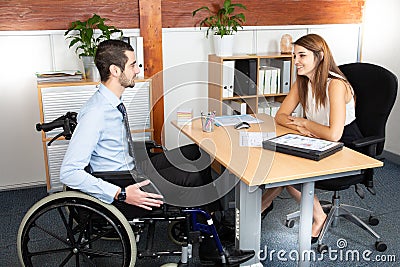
112 174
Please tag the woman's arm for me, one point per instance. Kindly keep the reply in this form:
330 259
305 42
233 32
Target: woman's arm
337 99
288 106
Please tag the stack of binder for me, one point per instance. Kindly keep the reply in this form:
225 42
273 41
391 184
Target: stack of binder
269 81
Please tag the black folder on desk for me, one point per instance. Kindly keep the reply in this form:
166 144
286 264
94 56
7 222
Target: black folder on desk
302 146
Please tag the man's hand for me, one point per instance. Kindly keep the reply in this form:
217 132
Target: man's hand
137 197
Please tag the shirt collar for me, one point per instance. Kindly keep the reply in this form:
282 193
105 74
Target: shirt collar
110 96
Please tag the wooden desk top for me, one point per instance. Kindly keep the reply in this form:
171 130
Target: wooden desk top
257 166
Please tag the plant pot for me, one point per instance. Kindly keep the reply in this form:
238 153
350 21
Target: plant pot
223 46
91 71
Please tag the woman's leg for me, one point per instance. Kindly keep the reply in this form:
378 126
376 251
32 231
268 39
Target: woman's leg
268 196
319 215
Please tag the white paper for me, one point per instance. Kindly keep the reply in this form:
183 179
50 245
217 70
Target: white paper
254 139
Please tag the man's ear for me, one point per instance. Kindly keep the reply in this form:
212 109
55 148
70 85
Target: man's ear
115 70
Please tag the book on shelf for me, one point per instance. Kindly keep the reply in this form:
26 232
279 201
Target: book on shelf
59 76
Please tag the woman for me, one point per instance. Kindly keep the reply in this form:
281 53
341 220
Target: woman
328 103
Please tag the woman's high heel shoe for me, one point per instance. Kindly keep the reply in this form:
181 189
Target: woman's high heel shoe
314 239
267 210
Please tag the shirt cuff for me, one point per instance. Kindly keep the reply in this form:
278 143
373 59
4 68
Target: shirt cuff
110 190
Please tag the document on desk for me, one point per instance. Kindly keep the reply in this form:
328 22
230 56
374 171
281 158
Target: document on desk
234 119
254 139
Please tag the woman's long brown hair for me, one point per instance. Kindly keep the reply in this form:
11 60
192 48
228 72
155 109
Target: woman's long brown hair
325 64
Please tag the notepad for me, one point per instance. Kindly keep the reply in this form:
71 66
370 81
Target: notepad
303 146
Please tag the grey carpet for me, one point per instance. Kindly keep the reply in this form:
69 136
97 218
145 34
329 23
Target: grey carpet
278 241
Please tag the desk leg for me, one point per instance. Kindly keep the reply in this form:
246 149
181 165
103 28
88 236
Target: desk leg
248 220
306 215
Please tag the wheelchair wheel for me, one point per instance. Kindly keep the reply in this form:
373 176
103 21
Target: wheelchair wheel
74 229
176 232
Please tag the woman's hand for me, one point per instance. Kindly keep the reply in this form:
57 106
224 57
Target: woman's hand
304 131
301 122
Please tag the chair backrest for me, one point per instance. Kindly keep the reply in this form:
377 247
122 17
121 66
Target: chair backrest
376 89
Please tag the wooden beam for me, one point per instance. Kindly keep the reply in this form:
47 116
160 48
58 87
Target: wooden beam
58 15
124 14
151 31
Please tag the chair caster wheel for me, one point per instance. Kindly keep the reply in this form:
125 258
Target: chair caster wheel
373 220
289 223
380 246
322 248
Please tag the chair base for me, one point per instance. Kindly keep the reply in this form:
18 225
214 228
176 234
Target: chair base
337 210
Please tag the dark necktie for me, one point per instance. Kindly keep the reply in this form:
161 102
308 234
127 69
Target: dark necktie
122 109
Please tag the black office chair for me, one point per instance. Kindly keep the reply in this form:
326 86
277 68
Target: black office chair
375 89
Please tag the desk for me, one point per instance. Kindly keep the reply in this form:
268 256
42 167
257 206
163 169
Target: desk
259 167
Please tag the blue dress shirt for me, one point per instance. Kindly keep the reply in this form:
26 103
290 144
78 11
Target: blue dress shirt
99 141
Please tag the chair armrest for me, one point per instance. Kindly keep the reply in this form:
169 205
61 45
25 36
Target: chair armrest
369 143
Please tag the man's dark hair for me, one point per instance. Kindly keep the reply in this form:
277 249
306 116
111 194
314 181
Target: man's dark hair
111 52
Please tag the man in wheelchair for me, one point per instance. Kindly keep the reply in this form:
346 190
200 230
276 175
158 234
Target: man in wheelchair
102 143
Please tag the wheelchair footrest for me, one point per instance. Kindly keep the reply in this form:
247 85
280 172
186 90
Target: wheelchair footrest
151 254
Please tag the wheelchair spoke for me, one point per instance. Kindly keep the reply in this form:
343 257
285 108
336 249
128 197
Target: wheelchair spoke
102 254
98 236
88 260
51 251
51 234
77 260
67 227
81 227
65 261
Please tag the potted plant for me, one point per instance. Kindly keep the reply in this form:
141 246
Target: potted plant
224 23
83 35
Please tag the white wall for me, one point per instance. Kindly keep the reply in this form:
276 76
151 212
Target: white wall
380 46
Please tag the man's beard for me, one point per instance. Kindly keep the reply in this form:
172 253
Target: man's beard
125 82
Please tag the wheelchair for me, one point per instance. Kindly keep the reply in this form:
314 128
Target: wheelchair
71 228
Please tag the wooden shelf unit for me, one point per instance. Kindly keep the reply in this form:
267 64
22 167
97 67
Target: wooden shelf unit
215 86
